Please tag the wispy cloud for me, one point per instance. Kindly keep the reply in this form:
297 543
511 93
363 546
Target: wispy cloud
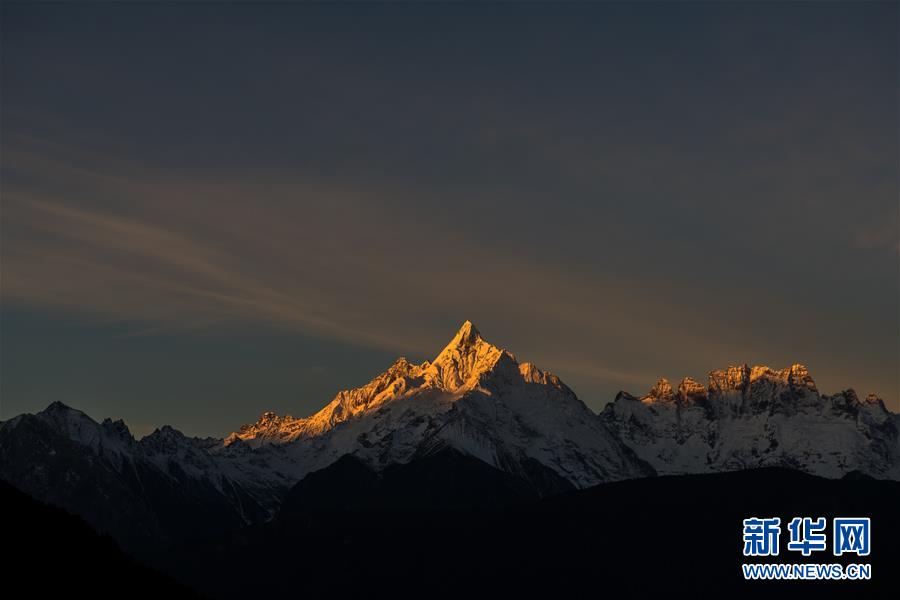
171 254
355 262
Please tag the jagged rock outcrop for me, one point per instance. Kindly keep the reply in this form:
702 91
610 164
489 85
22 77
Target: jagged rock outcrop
748 417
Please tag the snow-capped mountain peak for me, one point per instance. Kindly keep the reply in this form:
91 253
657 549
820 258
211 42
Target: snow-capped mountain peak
109 436
464 360
474 397
757 416
458 368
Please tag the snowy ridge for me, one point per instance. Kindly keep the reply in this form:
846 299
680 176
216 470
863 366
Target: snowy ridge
748 417
165 457
455 371
474 397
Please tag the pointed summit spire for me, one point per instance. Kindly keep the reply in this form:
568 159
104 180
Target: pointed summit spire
466 356
467 334
466 340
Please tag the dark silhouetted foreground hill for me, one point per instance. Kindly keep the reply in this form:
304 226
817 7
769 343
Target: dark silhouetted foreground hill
48 553
413 530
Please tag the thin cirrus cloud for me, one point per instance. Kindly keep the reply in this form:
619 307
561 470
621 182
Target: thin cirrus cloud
186 255
171 254
119 267
613 192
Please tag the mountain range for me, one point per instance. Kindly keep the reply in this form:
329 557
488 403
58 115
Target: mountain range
474 400
750 417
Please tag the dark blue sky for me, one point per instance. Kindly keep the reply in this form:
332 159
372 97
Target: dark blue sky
212 210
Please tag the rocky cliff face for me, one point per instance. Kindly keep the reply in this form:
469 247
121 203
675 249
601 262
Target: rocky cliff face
748 417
